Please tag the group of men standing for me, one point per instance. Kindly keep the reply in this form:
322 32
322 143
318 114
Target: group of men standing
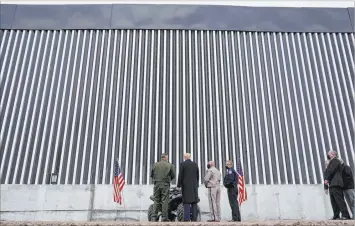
163 173
339 180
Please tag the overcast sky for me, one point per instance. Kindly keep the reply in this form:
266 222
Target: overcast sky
284 3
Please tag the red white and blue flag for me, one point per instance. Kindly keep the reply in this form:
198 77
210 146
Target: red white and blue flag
118 184
241 184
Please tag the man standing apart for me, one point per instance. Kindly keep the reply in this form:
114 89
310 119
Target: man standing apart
349 192
212 183
333 178
162 174
188 182
231 183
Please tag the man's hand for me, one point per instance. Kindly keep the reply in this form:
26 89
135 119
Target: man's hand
326 192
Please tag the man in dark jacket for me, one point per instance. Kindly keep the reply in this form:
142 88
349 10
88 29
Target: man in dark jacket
162 174
231 183
333 178
349 192
188 182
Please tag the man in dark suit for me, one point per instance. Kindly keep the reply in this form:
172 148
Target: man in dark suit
188 182
349 192
333 178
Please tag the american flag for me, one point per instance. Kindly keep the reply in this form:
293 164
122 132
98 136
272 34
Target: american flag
118 184
241 184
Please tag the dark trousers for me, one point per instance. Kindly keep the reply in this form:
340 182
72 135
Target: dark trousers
190 209
233 202
161 199
338 203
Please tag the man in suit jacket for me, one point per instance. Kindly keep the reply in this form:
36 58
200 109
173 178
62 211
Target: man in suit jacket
349 192
188 182
333 178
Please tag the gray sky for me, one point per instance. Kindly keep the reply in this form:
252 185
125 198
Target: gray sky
264 3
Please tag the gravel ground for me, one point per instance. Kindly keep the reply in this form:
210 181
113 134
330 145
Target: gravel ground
122 223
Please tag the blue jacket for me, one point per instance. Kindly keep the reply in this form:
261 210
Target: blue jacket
230 179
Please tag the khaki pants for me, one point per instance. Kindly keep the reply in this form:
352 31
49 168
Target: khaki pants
214 200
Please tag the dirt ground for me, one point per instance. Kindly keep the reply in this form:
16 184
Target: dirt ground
122 223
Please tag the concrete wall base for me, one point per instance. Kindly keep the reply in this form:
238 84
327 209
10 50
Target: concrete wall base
95 203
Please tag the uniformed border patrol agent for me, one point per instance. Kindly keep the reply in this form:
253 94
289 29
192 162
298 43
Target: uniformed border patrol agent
212 183
231 183
162 174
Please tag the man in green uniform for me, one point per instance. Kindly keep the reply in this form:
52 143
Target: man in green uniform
162 174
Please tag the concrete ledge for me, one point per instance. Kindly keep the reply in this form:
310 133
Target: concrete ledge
122 223
95 203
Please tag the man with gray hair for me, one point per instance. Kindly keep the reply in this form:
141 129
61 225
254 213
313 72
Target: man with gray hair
333 178
188 182
212 183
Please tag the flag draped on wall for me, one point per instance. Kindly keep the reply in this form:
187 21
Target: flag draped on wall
241 184
118 184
